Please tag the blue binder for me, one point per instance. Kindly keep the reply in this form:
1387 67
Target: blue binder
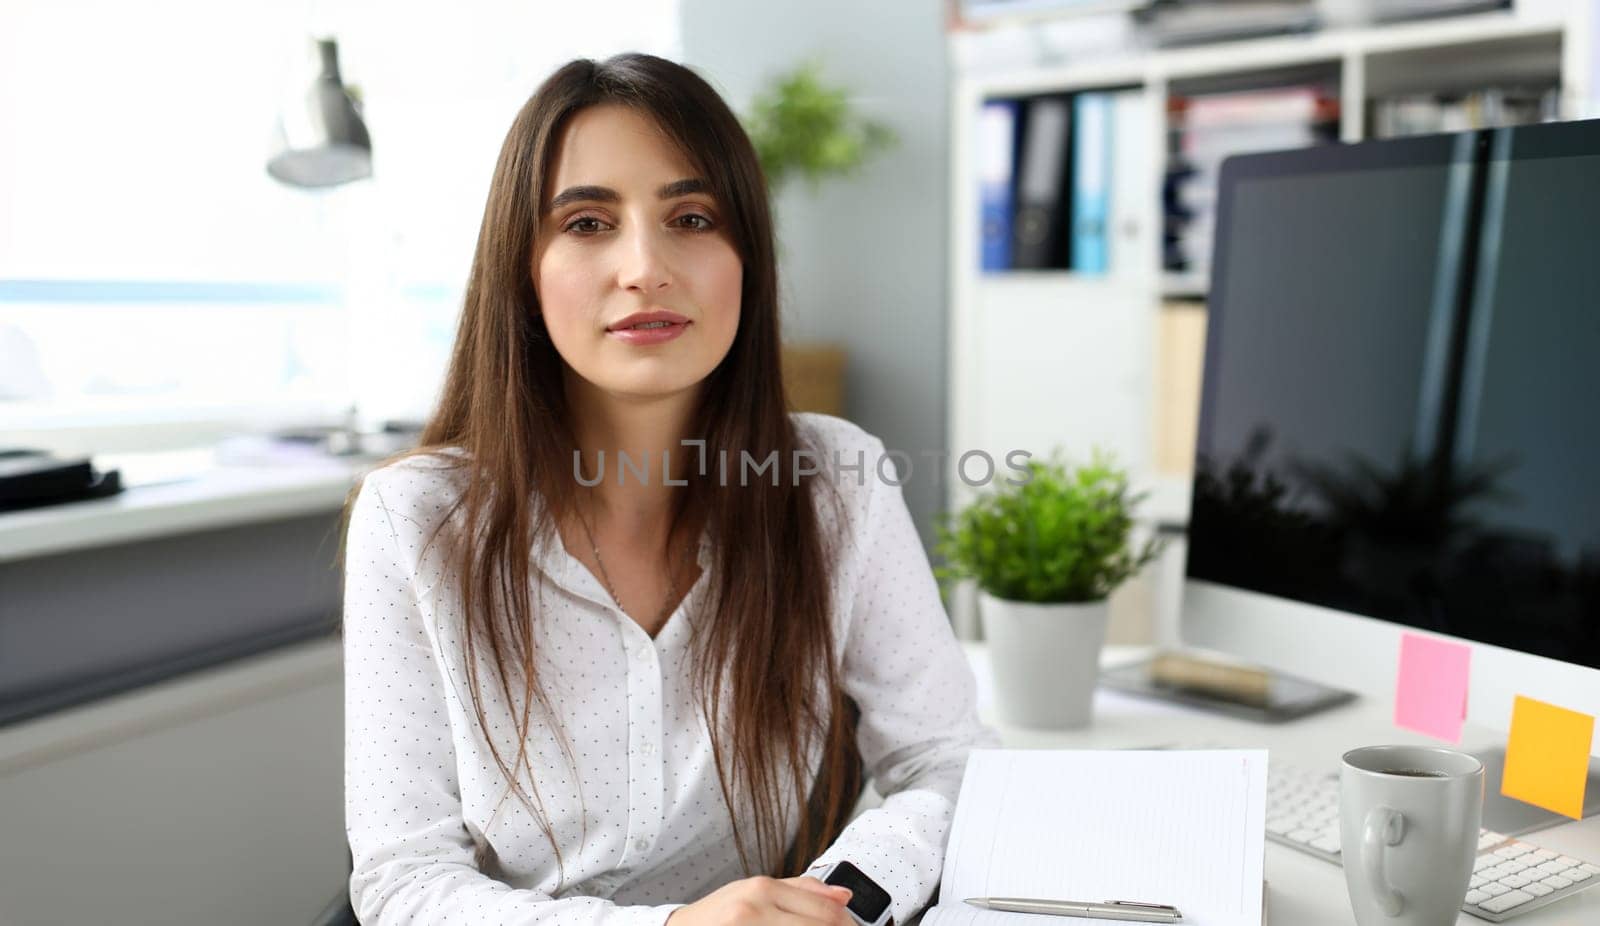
1091 182
997 123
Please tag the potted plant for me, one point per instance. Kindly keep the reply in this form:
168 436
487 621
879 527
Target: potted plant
802 126
1046 550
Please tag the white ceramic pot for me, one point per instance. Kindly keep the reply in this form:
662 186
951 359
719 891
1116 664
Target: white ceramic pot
1045 659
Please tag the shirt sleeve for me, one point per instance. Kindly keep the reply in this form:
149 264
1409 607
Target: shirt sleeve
910 677
412 856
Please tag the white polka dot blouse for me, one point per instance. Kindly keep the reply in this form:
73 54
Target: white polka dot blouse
635 807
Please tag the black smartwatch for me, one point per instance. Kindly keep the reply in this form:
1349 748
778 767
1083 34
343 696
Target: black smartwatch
869 903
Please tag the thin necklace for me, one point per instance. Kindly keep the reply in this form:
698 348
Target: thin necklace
672 579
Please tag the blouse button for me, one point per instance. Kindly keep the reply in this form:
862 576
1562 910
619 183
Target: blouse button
648 749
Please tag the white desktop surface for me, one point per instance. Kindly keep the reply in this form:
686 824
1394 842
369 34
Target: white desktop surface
1302 890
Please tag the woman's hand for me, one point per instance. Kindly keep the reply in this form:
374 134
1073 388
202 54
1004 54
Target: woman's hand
763 901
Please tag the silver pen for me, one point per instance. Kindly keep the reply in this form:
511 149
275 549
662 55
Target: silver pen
1109 910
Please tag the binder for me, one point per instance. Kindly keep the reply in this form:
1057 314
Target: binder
1091 183
997 129
1040 235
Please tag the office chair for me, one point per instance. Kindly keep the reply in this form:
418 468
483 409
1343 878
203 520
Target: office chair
339 912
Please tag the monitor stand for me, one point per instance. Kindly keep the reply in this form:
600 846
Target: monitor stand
1513 817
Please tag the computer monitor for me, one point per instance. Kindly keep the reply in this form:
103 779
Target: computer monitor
1400 414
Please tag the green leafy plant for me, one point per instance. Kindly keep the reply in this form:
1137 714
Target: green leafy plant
802 126
1059 536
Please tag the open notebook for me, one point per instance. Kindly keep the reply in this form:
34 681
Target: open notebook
1185 828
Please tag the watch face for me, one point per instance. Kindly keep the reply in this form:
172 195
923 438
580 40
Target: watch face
868 901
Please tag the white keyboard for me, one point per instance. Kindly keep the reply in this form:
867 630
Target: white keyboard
1510 877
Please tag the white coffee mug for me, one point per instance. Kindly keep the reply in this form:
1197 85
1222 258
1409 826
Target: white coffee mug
1409 819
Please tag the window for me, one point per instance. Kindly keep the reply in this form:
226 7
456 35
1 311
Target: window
149 267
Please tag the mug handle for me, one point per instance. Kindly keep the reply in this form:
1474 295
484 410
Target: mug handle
1384 827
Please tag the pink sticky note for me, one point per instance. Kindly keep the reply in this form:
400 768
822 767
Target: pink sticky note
1431 693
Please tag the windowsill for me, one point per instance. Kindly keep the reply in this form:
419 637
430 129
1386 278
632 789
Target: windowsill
117 424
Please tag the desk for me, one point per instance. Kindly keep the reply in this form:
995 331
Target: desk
1302 890
195 564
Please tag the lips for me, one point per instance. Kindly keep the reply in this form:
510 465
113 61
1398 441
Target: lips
640 318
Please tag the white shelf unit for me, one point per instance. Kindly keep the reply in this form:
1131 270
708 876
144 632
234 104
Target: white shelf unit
1039 359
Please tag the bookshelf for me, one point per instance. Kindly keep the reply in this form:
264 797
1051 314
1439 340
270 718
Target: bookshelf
1046 358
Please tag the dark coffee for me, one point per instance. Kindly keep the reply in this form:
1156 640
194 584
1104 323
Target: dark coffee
1413 773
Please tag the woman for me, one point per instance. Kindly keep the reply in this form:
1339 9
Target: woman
526 701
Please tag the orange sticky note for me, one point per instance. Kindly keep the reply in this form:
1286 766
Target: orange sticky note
1547 758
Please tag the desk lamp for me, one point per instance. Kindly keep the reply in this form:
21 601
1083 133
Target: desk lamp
320 139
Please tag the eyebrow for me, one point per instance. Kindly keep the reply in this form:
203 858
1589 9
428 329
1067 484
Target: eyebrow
602 194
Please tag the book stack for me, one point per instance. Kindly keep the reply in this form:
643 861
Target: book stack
1205 129
1483 108
1062 179
1176 23
1386 11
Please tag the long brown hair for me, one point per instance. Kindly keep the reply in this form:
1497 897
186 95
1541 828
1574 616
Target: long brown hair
763 645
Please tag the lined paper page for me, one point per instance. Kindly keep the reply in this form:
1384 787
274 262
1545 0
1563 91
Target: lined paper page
1174 827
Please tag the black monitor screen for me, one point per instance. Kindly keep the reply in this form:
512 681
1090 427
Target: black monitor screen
1401 404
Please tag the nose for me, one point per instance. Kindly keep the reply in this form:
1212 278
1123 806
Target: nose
643 265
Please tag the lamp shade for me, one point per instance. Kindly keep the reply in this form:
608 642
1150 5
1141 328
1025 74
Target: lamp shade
320 139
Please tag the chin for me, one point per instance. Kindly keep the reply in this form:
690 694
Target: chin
652 387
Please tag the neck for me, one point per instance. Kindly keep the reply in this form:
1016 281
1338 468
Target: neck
648 431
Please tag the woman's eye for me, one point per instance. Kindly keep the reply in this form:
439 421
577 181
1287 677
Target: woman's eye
586 225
